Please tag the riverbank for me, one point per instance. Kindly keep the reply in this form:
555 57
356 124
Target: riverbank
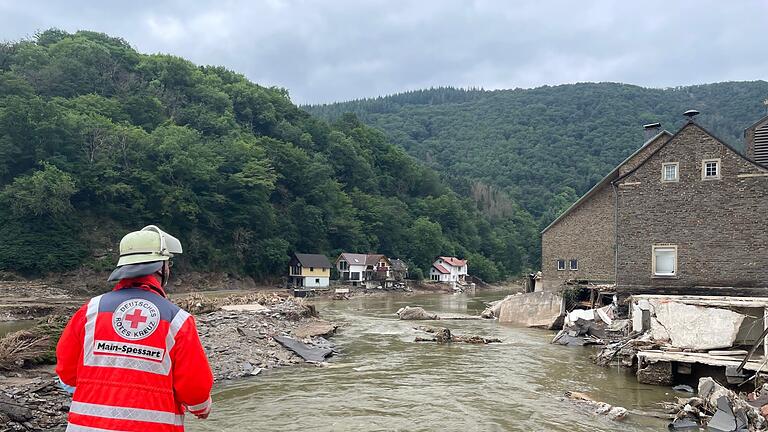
239 342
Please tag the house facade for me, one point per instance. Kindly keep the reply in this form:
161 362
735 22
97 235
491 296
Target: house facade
448 269
684 214
358 268
309 271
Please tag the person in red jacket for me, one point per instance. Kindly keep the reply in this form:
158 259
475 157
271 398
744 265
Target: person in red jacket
135 359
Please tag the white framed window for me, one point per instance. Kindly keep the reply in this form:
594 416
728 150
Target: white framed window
560 265
664 260
573 264
670 172
710 169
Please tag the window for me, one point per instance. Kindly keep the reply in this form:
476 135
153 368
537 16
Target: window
343 265
317 281
573 264
560 264
665 260
669 172
710 169
311 269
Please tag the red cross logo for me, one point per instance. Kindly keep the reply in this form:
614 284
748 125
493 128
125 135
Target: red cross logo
136 318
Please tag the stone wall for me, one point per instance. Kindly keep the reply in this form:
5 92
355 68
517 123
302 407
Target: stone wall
719 226
586 234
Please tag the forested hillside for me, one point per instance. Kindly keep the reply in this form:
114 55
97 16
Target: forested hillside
544 147
97 139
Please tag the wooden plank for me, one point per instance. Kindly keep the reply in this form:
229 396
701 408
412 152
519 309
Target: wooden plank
702 358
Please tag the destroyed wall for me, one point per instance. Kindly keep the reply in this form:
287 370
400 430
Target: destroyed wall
586 234
718 226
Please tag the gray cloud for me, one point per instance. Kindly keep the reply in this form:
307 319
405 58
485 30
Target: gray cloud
343 49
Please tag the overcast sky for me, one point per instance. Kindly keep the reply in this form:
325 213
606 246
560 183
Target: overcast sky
325 51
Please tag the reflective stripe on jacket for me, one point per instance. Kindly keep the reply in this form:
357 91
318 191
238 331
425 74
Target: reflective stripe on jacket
135 360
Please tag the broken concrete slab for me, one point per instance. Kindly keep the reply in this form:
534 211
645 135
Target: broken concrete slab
692 327
309 353
315 328
536 309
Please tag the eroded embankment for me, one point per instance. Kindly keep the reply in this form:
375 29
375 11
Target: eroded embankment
239 343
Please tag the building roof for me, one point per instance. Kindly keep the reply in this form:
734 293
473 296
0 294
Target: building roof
453 261
755 124
440 268
361 259
313 260
692 123
613 175
398 264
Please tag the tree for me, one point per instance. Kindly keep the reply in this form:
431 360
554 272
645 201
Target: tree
45 192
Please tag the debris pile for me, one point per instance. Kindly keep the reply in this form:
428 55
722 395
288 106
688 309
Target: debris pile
39 405
720 409
443 335
592 327
244 341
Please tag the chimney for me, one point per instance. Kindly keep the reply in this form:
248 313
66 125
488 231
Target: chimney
691 114
651 130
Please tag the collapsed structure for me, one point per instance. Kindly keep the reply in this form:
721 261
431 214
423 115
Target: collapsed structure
676 237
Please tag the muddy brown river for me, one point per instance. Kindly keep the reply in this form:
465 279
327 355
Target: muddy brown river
383 381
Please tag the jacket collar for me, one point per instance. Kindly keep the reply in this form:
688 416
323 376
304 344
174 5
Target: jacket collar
147 283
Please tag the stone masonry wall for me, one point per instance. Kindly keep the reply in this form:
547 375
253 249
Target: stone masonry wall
585 234
719 226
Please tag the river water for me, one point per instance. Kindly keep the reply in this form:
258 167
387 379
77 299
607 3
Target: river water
383 381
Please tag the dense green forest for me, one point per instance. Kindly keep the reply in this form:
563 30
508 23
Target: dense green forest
97 139
544 147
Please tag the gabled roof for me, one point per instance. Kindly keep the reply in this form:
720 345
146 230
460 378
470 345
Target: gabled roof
313 260
353 258
440 268
453 261
692 123
613 175
361 259
755 124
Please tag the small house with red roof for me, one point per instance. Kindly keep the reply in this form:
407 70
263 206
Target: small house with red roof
448 269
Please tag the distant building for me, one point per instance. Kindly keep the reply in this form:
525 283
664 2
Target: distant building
685 214
399 270
358 268
448 269
309 271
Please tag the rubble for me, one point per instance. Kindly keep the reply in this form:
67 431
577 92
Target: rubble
615 413
444 335
719 409
39 405
239 342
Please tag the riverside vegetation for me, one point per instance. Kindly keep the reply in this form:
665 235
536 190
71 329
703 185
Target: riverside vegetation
97 139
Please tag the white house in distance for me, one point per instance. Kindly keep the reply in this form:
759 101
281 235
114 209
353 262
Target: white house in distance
448 269
358 268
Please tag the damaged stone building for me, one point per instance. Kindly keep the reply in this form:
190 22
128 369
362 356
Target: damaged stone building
685 214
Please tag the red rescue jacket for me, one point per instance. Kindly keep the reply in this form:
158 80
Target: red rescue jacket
135 360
